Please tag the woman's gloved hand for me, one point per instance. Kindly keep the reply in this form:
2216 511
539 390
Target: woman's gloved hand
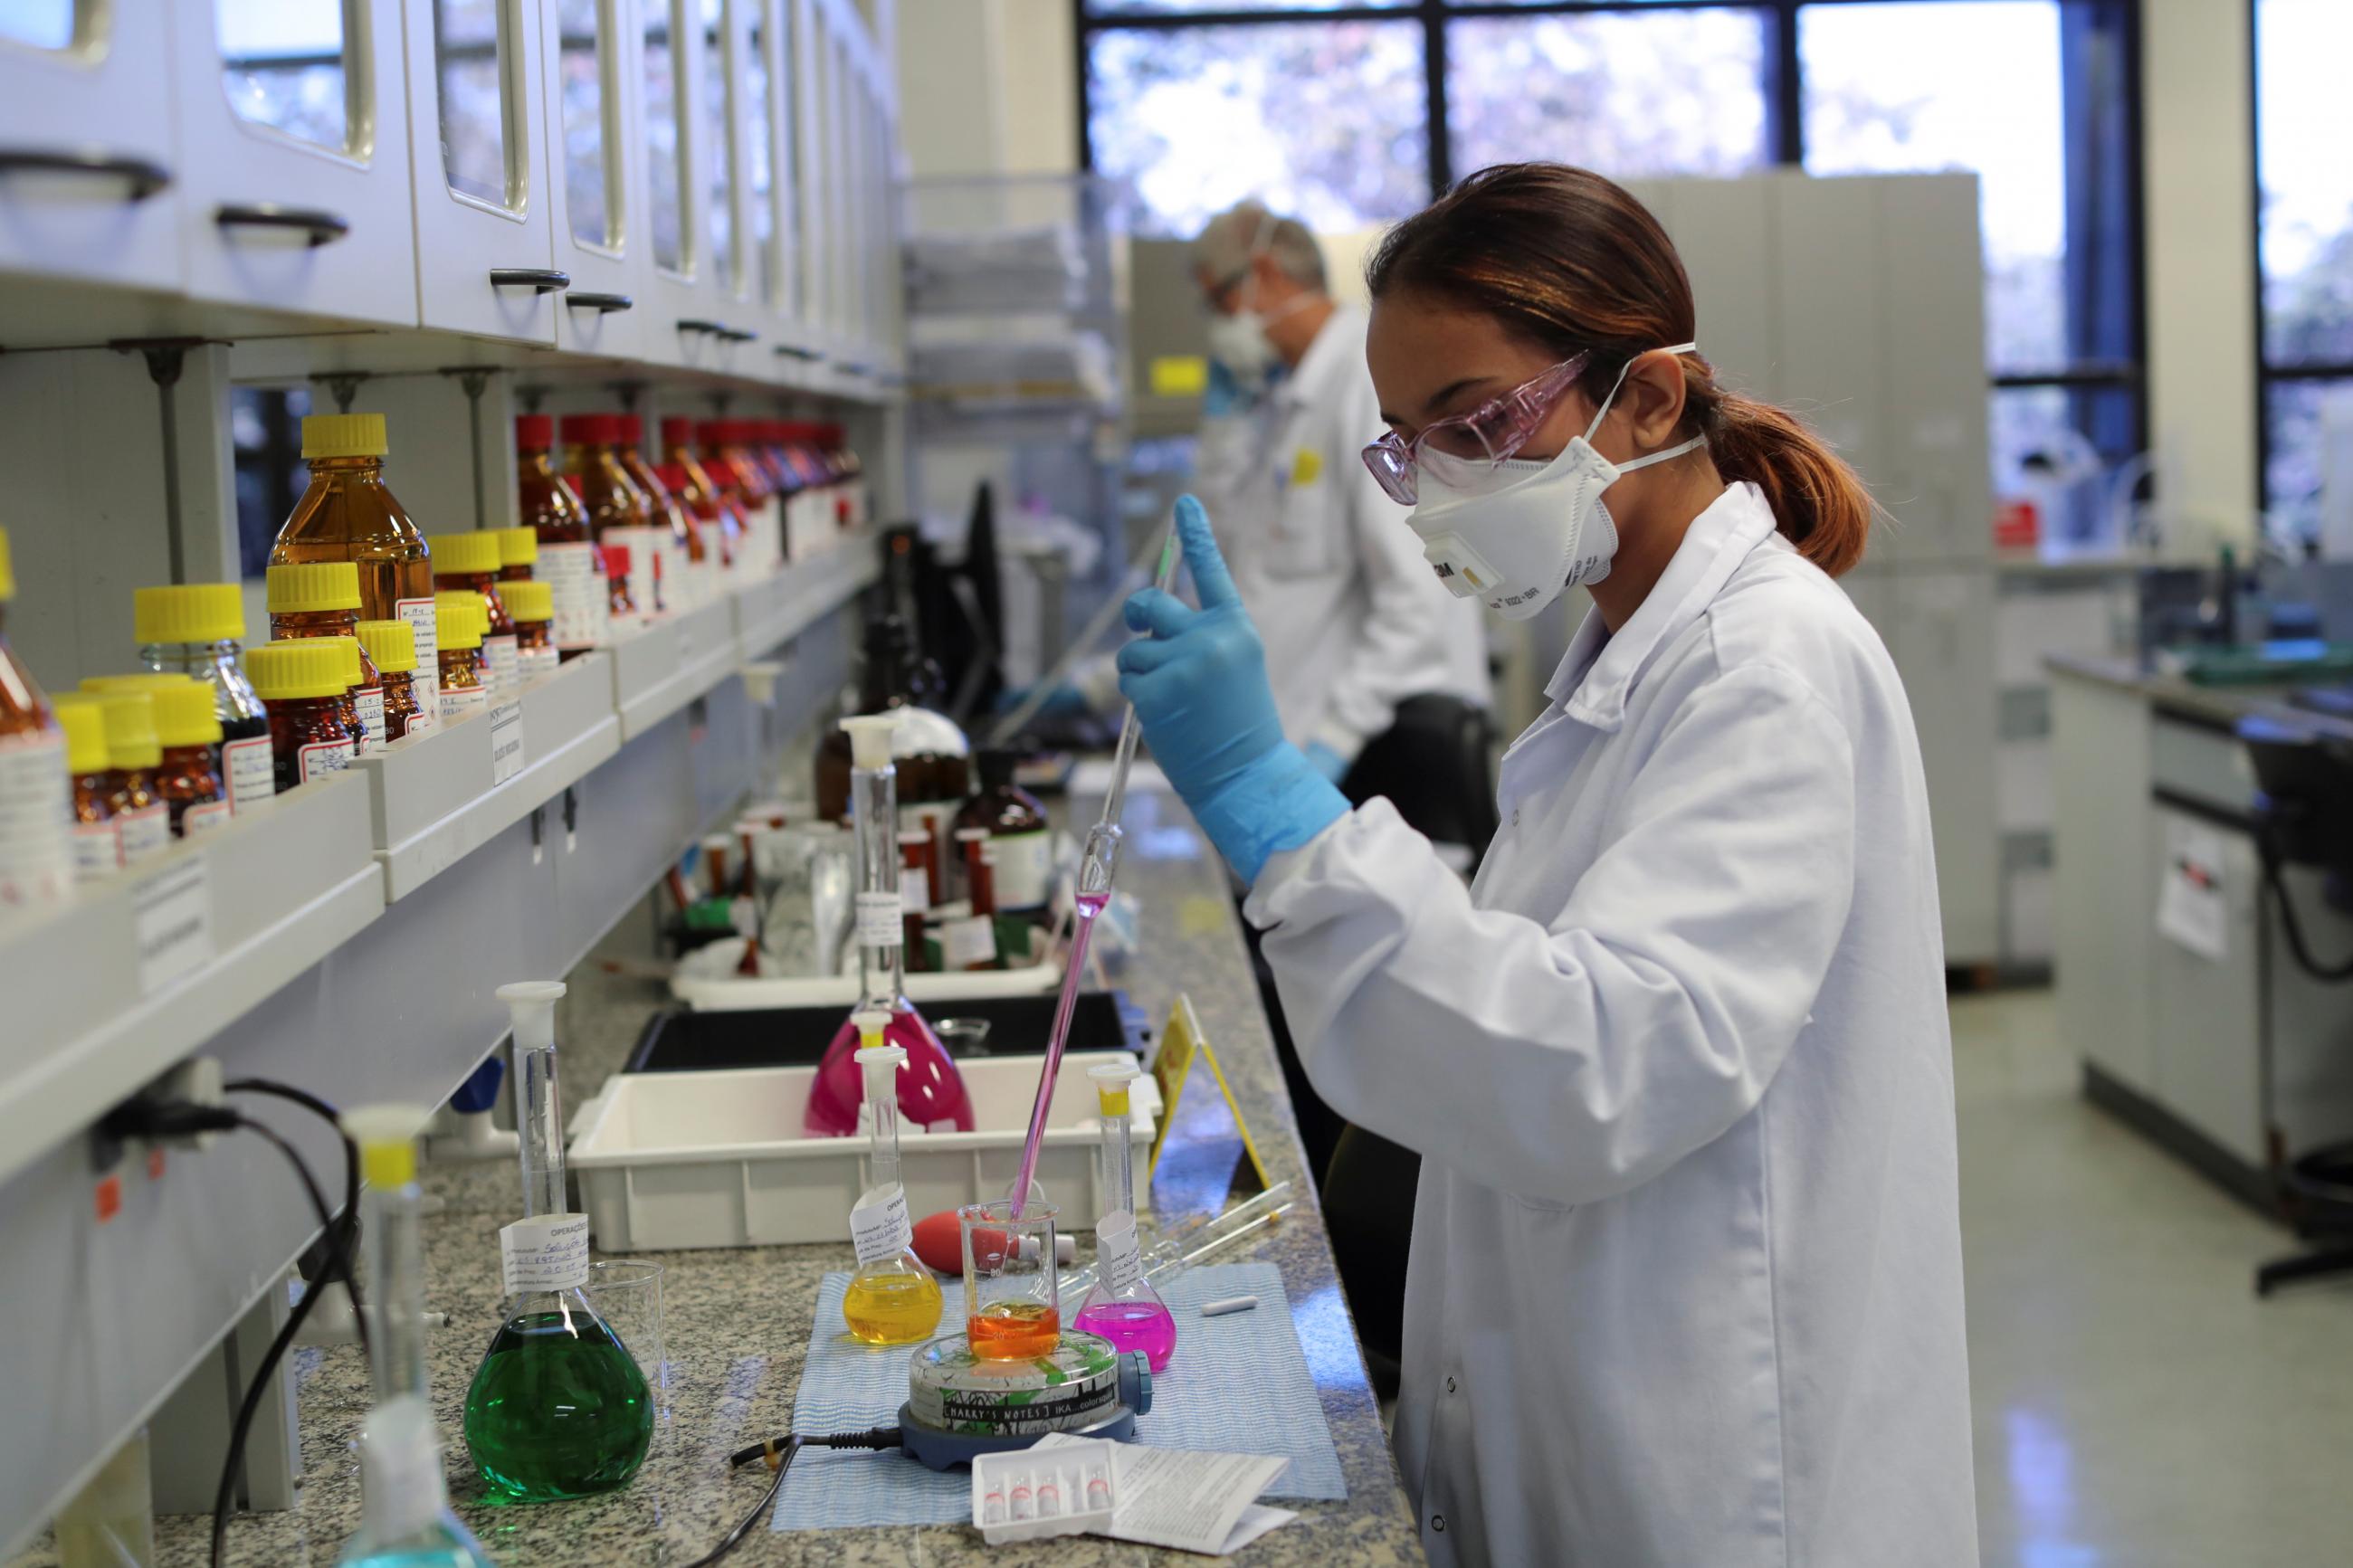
1199 683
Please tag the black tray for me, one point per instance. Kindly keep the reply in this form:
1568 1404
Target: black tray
681 1040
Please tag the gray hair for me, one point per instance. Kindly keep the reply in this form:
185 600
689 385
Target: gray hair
1247 228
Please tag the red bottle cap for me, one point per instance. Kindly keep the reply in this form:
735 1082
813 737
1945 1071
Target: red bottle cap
713 432
677 431
534 432
590 429
633 428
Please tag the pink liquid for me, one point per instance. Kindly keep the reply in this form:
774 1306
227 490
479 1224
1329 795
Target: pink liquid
1134 1326
930 1092
1090 906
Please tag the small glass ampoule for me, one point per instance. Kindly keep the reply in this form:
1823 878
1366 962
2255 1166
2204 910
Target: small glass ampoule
892 1299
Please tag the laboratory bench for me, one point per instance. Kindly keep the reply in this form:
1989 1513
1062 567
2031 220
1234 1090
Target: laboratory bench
736 1322
2174 980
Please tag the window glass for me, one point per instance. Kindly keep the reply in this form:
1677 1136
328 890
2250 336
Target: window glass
42 24
1628 94
790 292
2309 427
1325 120
759 143
1897 88
282 64
664 144
2305 140
717 113
581 38
470 63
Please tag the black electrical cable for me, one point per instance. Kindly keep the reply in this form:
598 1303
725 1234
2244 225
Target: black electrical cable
778 1454
2328 974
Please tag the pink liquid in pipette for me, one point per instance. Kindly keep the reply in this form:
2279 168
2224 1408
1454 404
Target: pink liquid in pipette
931 1091
1143 1326
1090 906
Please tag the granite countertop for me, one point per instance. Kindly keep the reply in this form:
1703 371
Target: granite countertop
737 1321
2224 705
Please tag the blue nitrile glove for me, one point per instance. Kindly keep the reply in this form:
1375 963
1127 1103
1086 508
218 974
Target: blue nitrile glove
1199 688
1326 761
1064 704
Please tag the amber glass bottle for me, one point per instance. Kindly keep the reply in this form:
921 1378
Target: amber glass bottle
198 628
36 854
462 691
673 527
716 517
724 447
189 778
533 608
133 752
302 685
569 560
97 843
322 599
615 505
347 514
392 646
471 561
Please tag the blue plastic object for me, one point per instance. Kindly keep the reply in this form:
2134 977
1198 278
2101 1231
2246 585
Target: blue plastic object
481 1091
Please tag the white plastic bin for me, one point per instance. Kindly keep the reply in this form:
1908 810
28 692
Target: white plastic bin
671 1160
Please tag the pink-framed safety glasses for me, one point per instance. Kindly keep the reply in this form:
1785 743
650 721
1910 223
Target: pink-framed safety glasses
1464 447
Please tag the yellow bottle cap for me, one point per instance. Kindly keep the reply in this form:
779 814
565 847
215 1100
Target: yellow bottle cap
464 555
386 1136
306 586
189 612
131 738
184 715
145 680
1111 1081
349 649
392 644
344 436
458 626
529 600
297 667
7 570
83 718
519 546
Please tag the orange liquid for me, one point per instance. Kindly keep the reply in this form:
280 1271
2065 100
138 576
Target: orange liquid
1013 1331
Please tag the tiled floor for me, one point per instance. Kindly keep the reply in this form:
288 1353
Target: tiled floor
2135 1405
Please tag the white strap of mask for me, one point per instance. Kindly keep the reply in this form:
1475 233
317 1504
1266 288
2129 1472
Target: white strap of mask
1615 386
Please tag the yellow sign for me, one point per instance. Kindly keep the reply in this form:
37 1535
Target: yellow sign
1179 376
1306 467
1203 1146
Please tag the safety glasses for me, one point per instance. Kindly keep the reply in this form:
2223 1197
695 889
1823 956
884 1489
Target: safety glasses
1464 447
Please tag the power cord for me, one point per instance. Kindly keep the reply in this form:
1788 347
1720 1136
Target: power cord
778 1455
2291 926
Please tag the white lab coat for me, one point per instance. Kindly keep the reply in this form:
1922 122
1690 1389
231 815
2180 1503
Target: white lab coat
1686 1281
1353 619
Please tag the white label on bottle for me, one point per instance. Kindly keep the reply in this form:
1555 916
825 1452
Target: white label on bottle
545 1252
715 544
644 548
772 531
37 859
426 682
503 660
203 818
506 742
251 769
878 1227
146 831
968 941
1024 864
879 920
319 758
97 849
914 890
577 585
1117 1262
173 922
458 701
371 703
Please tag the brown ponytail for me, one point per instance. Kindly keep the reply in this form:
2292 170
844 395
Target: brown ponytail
1565 258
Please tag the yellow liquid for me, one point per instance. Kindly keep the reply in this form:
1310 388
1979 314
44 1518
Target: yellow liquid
892 1308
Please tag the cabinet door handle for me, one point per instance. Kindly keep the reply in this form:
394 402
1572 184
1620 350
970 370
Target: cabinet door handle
737 334
323 227
142 177
697 324
794 351
603 304
538 280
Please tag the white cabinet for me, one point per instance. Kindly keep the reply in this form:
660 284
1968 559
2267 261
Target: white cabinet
88 167
598 170
485 247
294 148
694 317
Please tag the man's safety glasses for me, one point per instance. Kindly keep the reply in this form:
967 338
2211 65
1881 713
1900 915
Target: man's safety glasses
1464 449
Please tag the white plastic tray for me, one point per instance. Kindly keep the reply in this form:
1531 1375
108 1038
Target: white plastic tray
671 1160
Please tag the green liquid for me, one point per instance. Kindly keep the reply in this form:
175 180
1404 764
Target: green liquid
558 1409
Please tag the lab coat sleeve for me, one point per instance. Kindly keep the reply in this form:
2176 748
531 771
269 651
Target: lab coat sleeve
1568 1062
1398 651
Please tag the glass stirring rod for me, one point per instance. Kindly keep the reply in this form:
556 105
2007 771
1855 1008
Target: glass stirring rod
1095 873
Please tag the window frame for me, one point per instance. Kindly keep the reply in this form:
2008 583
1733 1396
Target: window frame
1785 129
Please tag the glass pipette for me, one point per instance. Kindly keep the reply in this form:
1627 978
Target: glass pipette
1095 873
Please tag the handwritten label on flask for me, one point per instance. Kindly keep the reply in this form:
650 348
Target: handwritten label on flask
878 1227
879 920
545 1252
1117 1258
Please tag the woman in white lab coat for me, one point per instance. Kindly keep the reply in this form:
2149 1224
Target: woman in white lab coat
1685 1281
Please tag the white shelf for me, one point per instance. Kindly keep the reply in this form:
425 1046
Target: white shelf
666 665
782 606
279 888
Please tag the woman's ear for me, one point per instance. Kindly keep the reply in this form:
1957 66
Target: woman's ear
1653 398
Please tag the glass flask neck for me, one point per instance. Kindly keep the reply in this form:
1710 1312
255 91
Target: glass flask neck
874 821
539 1117
883 1104
396 1279
1115 1164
